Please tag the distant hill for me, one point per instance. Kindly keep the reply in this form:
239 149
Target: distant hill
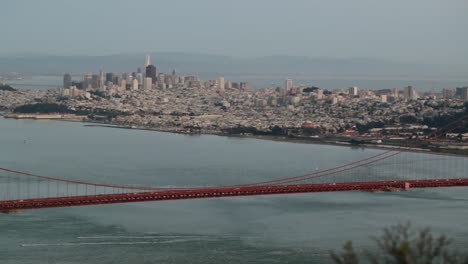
226 65
6 88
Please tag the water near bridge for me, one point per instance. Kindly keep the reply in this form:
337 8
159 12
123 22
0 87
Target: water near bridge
265 229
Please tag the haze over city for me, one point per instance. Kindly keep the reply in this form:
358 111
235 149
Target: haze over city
431 31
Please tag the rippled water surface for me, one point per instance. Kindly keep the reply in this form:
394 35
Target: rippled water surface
270 229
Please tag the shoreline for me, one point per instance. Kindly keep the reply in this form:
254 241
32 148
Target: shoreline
289 140
296 140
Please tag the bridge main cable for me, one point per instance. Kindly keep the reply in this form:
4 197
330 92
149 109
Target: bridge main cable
323 173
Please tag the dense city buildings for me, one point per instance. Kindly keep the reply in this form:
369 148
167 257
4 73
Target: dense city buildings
174 102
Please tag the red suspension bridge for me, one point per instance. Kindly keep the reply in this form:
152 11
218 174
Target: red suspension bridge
390 170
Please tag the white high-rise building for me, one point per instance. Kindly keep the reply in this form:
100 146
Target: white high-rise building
395 93
101 78
288 84
135 84
353 91
221 83
148 84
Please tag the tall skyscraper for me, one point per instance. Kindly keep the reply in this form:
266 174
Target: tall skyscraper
101 78
221 83
174 78
147 60
116 79
151 72
109 77
459 92
94 81
409 93
395 93
288 84
87 81
67 80
465 93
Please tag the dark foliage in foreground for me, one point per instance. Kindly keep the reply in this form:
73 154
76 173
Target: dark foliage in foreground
402 245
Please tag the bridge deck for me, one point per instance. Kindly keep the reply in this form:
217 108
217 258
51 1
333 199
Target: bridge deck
215 192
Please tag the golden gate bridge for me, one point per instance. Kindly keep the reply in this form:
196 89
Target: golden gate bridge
390 170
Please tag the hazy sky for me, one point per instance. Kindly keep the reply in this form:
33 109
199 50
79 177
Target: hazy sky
410 30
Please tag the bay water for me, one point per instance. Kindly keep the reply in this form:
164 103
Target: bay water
298 228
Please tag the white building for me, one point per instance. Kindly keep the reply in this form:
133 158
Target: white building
383 98
295 100
319 94
353 91
101 78
221 83
66 92
395 93
148 84
288 84
123 84
135 84
74 92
